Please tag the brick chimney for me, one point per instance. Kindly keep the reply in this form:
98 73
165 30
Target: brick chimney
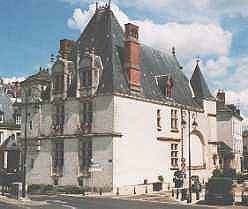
221 97
132 56
66 47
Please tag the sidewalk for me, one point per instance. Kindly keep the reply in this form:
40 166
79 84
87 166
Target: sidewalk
24 202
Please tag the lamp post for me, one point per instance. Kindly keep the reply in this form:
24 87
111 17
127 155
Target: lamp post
25 148
194 126
24 153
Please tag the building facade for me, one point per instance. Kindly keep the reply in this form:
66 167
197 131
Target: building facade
113 113
229 129
245 151
10 123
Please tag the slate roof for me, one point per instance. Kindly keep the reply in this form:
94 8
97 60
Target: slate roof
199 85
226 112
105 34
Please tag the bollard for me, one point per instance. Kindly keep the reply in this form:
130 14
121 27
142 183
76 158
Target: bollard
100 192
197 195
117 191
134 191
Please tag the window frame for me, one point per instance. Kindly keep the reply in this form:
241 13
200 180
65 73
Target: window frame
174 155
174 119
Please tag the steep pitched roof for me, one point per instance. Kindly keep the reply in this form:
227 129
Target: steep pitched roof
199 84
105 34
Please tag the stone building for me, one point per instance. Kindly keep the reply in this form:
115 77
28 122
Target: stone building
10 124
120 109
229 132
245 150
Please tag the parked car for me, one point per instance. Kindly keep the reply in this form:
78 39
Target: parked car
219 191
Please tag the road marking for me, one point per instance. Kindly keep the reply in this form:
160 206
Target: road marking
57 201
62 203
68 206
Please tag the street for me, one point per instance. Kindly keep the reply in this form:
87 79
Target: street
65 202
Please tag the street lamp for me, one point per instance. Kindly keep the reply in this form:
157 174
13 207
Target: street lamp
24 152
194 126
183 126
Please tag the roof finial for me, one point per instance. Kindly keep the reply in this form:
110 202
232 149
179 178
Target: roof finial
96 5
109 3
174 51
198 60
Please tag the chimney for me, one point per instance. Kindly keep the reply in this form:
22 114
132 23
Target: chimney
221 97
66 47
132 56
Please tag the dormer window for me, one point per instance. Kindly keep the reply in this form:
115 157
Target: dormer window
58 83
166 85
1 117
169 87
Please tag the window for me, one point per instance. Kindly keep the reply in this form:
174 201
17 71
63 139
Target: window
174 120
29 93
87 116
30 124
1 117
174 155
58 83
86 79
159 127
85 154
58 157
59 116
18 119
18 135
1 137
32 163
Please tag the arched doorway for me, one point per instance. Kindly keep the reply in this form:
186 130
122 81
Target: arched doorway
197 150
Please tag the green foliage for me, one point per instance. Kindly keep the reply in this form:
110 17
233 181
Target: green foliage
161 178
218 173
50 189
69 189
220 185
40 188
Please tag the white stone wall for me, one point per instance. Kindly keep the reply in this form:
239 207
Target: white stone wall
103 155
41 172
138 155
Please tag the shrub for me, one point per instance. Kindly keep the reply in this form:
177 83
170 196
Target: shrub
218 173
40 188
69 189
161 178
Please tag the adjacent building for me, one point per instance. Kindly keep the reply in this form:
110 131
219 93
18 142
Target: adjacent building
229 126
113 113
10 124
245 150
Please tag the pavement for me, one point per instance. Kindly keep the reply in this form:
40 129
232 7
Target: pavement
151 201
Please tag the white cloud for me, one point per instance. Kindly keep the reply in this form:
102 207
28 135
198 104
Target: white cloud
189 39
218 68
7 80
188 10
